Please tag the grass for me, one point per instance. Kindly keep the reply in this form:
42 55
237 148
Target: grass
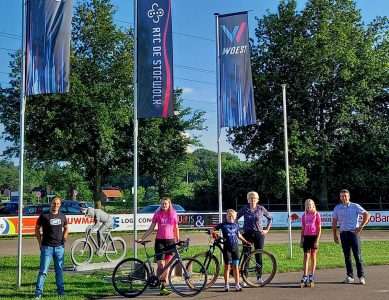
97 285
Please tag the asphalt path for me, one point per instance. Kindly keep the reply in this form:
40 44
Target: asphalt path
9 246
286 286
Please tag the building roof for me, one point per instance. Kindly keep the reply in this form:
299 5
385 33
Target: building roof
112 193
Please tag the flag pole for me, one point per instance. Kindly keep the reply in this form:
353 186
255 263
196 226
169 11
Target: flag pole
21 152
135 126
287 169
219 154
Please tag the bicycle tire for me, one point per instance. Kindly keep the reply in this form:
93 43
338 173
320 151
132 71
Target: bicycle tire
251 270
116 249
187 287
81 252
130 277
211 265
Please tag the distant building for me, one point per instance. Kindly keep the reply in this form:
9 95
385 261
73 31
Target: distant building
112 194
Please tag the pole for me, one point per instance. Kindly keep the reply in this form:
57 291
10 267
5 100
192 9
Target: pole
219 154
135 126
287 169
21 154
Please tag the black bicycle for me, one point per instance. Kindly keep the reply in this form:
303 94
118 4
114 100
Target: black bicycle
257 267
187 276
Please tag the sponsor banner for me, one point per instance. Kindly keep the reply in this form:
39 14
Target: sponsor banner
155 59
125 222
48 31
236 88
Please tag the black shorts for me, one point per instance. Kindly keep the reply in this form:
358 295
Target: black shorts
231 255
160 246
309 243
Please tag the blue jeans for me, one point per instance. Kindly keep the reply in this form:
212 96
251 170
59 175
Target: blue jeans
350 241
57 253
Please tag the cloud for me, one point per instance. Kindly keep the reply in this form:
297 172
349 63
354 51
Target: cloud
187 90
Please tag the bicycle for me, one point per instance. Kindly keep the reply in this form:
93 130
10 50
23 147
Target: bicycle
82 250
187 276
253 274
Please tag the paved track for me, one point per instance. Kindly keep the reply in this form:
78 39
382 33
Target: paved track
285 287
9 246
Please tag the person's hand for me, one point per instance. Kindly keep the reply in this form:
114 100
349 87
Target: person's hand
264 231
336 239
316 245
358 230
215 235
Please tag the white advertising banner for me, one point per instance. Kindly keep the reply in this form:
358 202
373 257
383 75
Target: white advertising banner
124 222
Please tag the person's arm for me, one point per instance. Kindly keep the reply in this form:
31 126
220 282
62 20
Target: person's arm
302 231
38 231
318 225
267 215
148 232
365 220
334 229
65 232
176 233
240 236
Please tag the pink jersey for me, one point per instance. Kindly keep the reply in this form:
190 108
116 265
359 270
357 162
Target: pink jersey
166 222
311 223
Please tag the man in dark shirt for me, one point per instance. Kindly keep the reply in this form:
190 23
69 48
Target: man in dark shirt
51 242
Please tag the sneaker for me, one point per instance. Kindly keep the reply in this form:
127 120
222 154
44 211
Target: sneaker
260 280
163 291
304 281
226 288
362 280
311 280
243 284
238 288
348 279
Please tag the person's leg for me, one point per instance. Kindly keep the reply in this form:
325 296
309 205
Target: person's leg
259 242
306 262
58 266
313 261
356 248
226 276
102 233
45 259
235 270
346 247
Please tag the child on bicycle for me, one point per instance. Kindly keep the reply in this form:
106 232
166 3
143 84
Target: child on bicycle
231 234
310 236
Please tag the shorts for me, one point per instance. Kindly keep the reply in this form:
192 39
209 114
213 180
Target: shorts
309 243
231 256
160 246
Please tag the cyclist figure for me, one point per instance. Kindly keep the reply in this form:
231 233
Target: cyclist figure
231 235
103 222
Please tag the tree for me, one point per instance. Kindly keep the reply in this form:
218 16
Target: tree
91 127
335 68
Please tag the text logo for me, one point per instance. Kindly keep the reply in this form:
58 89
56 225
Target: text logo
155 13
55 222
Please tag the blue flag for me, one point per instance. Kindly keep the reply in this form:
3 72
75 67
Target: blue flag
236 88
48 32
155 59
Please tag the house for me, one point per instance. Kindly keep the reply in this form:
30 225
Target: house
112 194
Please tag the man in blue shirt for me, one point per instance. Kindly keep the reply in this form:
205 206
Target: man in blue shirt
346 214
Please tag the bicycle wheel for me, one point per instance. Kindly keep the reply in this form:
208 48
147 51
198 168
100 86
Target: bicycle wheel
187 277
259 268
81 252
116 249
130 277
211 265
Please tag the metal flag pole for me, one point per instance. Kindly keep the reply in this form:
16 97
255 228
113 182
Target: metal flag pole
21 152
287 169
219 154
135 126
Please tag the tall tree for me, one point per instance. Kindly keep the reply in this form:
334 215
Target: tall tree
334 68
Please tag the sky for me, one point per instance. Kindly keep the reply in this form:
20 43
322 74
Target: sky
193 45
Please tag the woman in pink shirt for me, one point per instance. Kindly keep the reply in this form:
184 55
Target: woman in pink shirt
167 234
310 236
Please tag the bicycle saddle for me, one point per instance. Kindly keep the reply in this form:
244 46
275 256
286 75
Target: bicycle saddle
143 242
